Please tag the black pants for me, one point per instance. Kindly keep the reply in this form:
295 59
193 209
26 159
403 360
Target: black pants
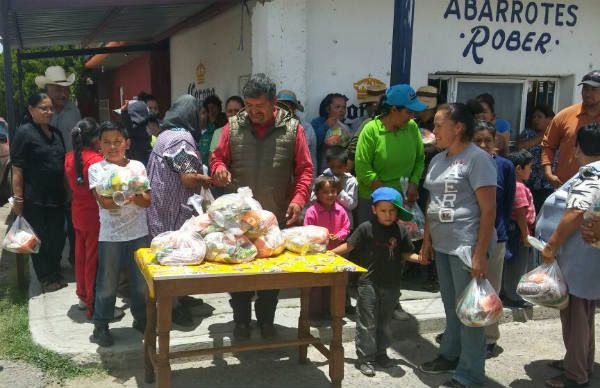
539 196
264 307
49 225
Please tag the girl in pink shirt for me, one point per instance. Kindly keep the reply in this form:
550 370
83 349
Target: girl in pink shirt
326 212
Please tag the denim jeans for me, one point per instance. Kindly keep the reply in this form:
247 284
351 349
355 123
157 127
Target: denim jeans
375 309
494 276
467 344
112 258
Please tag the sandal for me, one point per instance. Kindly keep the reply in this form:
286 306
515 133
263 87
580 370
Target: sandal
52 286
562 381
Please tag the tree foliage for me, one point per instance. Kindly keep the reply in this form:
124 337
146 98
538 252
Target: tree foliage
34 67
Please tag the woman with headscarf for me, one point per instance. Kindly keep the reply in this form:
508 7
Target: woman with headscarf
175 173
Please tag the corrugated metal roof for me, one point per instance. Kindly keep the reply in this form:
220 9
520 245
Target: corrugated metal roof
73 22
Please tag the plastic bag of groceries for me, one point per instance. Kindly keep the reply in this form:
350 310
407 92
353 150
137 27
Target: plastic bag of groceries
479 305
270 244
338 135
594 211
21 238
416 226
227 248
257 223
120 183
179 248
227 210
306 239
201 224
545 285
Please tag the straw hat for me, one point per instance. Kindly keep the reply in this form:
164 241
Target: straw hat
55 75
428 95
373 93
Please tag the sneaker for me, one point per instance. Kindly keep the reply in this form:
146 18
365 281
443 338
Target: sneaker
401 315
267 330
241 331
81 305
439 337
182 317
438 366
139 326
350 310
452 384
384 361
118 314
516 304
490 351
102 336
190 302
366 368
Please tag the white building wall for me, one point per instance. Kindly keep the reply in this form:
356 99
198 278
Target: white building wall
316 47
215 44
572 51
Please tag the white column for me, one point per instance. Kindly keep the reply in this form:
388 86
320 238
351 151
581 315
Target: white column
279 43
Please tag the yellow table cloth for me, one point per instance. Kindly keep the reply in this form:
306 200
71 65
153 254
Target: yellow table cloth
286 262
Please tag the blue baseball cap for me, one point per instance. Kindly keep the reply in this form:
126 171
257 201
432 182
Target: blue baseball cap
404 95
393 196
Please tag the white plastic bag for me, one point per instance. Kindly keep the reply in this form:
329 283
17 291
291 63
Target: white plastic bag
545 285
479 305
271 244
464 254
258 222
228 210
179 248
306 239
120 183
21 238
229 249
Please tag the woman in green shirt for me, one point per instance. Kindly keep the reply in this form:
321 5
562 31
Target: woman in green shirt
389 148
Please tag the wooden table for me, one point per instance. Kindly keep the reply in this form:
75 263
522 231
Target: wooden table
157 363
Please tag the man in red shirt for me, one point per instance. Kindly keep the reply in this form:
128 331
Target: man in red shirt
263 147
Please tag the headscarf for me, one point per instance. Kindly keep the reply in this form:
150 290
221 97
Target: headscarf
183 114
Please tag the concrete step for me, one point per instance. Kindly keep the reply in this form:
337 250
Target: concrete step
58 325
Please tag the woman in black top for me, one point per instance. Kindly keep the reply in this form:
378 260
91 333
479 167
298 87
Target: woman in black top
38 155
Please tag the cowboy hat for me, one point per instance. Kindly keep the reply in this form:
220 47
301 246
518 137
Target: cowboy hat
55 75
373 93
428 95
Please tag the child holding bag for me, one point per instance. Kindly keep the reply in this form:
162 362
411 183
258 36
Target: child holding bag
123 230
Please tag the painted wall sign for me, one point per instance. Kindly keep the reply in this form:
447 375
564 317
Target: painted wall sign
200 74
498 20
200 94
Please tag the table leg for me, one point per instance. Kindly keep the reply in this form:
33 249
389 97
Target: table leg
149 338
304 324
163 374
336 357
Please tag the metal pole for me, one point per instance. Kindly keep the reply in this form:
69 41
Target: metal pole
404 14
8 80
21 109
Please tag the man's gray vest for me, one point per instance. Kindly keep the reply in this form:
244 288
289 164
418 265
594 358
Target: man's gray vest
265 165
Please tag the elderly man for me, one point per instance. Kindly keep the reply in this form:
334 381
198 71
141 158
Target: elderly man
56 84
560 135
265 148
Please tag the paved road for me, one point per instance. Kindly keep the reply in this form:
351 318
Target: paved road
527 348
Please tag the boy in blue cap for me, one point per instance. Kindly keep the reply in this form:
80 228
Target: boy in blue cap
381 244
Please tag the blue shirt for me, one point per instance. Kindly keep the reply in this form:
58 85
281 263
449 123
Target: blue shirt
506 183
